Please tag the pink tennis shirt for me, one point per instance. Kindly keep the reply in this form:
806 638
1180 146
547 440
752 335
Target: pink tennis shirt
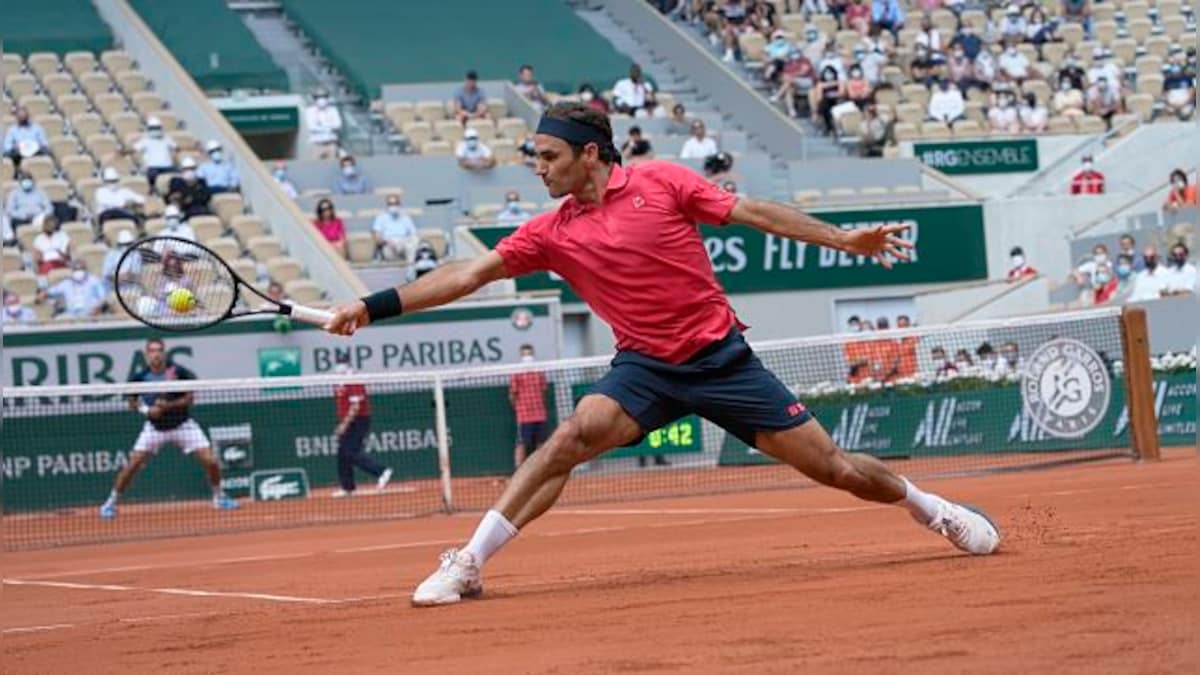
637 259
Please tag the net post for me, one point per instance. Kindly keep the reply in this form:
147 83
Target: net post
443 441
1139 383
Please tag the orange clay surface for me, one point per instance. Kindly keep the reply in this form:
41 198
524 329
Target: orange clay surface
1099 572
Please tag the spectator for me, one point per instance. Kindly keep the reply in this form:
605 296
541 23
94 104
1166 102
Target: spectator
872 61
726 23
777 51
1179 89
857 17
1128 246
678 123
527 394
113 200
1072 71
1039 29
189 191
719 167
51 247
108 270
1181 194
324 123
966 38
527 86
985 69
281 179
873 134
1003 115
1012 26
587 96
1124 273
352 408
946 104
854 324
1010 355
275 293
630 94
218 173
1068 100
1087 181
858 89
944 368
473 154
1018 267
1150 283
156 149
963 362
830 58
921 69
470 102
15 311
528 151
1181 274
394 230
824 96
1104 283
700 144
424 261
1014 66
888 15
330 226
1085 273
931 40
175 224
27 202
636 148
512 214
25 138
7 235
1033 115
1077 11
961 70
1104 68
796 80
902 321
990 362
80 295
350 181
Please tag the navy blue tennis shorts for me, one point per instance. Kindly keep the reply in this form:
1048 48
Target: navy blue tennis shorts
725 383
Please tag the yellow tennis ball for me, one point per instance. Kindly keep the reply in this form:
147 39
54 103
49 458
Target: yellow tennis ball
181 300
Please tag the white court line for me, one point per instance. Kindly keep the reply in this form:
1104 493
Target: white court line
389 547
36 629
172 591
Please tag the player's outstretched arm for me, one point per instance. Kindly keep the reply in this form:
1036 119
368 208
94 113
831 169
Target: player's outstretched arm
881 242
447 283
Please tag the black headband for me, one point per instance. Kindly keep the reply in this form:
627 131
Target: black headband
578 133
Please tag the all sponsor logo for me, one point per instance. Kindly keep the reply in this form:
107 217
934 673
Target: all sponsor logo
1066 388
271 486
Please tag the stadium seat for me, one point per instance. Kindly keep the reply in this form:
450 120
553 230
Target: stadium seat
1103 11
109 105
116 61
86 189
137 183
79 63
368 213
21 84
1104 32
42 64
147 103
1140 104
968 128
36 104
25 235
101 146
753 46
935 130
264 248
245 268
1139 29
909 113
53 124
154 226
1135 10
793 23
418 133
58 84
1148 65
1071 34
284 269
848 123
184 140
360 247
246 227
169 121
385 190
72 104
485 127
115 226
206 227
302 291
227 248
430 111
435 238
504 150
1089 124
93 256
131 82
40 167
10 64
448 130
512 127
1174 26
56 190
80 234
486 211
1158 45
497 107
11 260
94 83
1150 84
120 161
85 124
1060 124
56 275
400 113
1054 53
125 124
437 149
226 205
62 147
7 171
1124 49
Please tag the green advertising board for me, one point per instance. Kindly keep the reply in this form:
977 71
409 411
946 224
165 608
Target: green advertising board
949 246
977 157
678 437
265 120
990 419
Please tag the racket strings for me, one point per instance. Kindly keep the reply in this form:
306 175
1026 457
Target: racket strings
175 284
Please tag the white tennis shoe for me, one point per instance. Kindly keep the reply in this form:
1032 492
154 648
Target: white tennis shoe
384 479
456 578
966 527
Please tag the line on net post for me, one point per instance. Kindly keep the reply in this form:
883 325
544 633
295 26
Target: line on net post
443 440
1139 383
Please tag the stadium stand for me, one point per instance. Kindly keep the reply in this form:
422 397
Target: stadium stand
54 26
223 55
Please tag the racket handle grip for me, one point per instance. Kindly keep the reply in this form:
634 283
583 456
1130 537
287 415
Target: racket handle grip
318 317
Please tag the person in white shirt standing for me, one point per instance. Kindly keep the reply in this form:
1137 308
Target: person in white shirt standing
156 149
114 200
1181 274
324 122
395 232
630 94
700 145
473 154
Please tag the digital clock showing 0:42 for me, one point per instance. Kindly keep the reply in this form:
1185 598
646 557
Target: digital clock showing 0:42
678 434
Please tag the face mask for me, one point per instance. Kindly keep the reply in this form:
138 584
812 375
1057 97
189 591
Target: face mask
855 328
216 156
586 96
13 309
1103 276
189 174
472 143
1011 357
322 102
858 73
394 210
958 55
156 133
1151 262
1087 166
349 171
1179 185
514 206
173 222
988 359
1100 258
1123 271
26 184
1179 260
79 275
280 176
1018 261
527 358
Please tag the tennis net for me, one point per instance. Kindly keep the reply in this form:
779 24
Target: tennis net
1011 394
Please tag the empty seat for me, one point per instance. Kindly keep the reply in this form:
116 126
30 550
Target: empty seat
226 205
264 247
131 82
512 127
52 124
23 283
245 268
1089 124
116 60
400 113
71 104
40 167
79 63
36 104
302 291
112 229
169 121
430 111
109 104
101 145
246 227
86 124
126 124
95 83
93 256
86 189
360 247
448 130
437 149
418 133
485 127
137 183
80 234
21 84
58 84
283 269
504 150
56 190
497 107
206 227
227 248
10 64
11 260
147 103
42 63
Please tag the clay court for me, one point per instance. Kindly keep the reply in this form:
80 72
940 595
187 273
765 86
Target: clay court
1098 573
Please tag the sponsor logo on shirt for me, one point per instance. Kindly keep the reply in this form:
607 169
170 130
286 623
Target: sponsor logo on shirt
795 409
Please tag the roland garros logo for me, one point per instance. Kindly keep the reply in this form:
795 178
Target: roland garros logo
1065 388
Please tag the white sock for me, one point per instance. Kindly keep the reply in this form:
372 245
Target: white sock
923 505
493 532
112 497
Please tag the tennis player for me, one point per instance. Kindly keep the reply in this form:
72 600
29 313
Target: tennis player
626 241
168 421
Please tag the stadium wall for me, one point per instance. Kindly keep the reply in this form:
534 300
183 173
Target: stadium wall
1042 226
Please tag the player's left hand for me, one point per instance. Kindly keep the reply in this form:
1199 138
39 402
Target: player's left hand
880 242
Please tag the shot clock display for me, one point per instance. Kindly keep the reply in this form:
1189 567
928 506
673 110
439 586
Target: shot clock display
682 435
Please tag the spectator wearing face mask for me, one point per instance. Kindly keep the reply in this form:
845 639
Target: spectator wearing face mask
858 89
1077 11
114 200
108 269
527 395
424 261
991 365
175 224
1012 26
854 324
218 172
353 409
1181 194
857 16
1068 99
27 202
699 145
1018 267
1039 29
1086 273
324 122
960 69
1014 65
873 133
1088 180
189 191
528 86
15 311
888 15
796 79
777 51
156 149
587 96
1104 68
350 181
281 179
470 102
1010 355
1003 114
512 213
944 368
473 154
824 96
985 69
1181 274
636 148
51 246
630 94
946 103
1033 115
678 123
970 42
1072 71
931 40
1104 101
1127 246
1179 90
25 138
395 232
330 225
80 295
1124 273
1151 281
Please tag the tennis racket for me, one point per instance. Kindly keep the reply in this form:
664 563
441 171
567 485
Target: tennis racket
177 285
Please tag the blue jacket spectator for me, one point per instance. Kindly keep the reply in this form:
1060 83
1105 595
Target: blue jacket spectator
218 173
887 14
24 133
350 181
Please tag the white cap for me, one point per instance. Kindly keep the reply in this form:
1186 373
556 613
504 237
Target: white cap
1098 51
153 123
125 237
171 211
110 175
470 133
212 145
187 163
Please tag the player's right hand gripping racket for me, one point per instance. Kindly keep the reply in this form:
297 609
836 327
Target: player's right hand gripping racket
174 284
